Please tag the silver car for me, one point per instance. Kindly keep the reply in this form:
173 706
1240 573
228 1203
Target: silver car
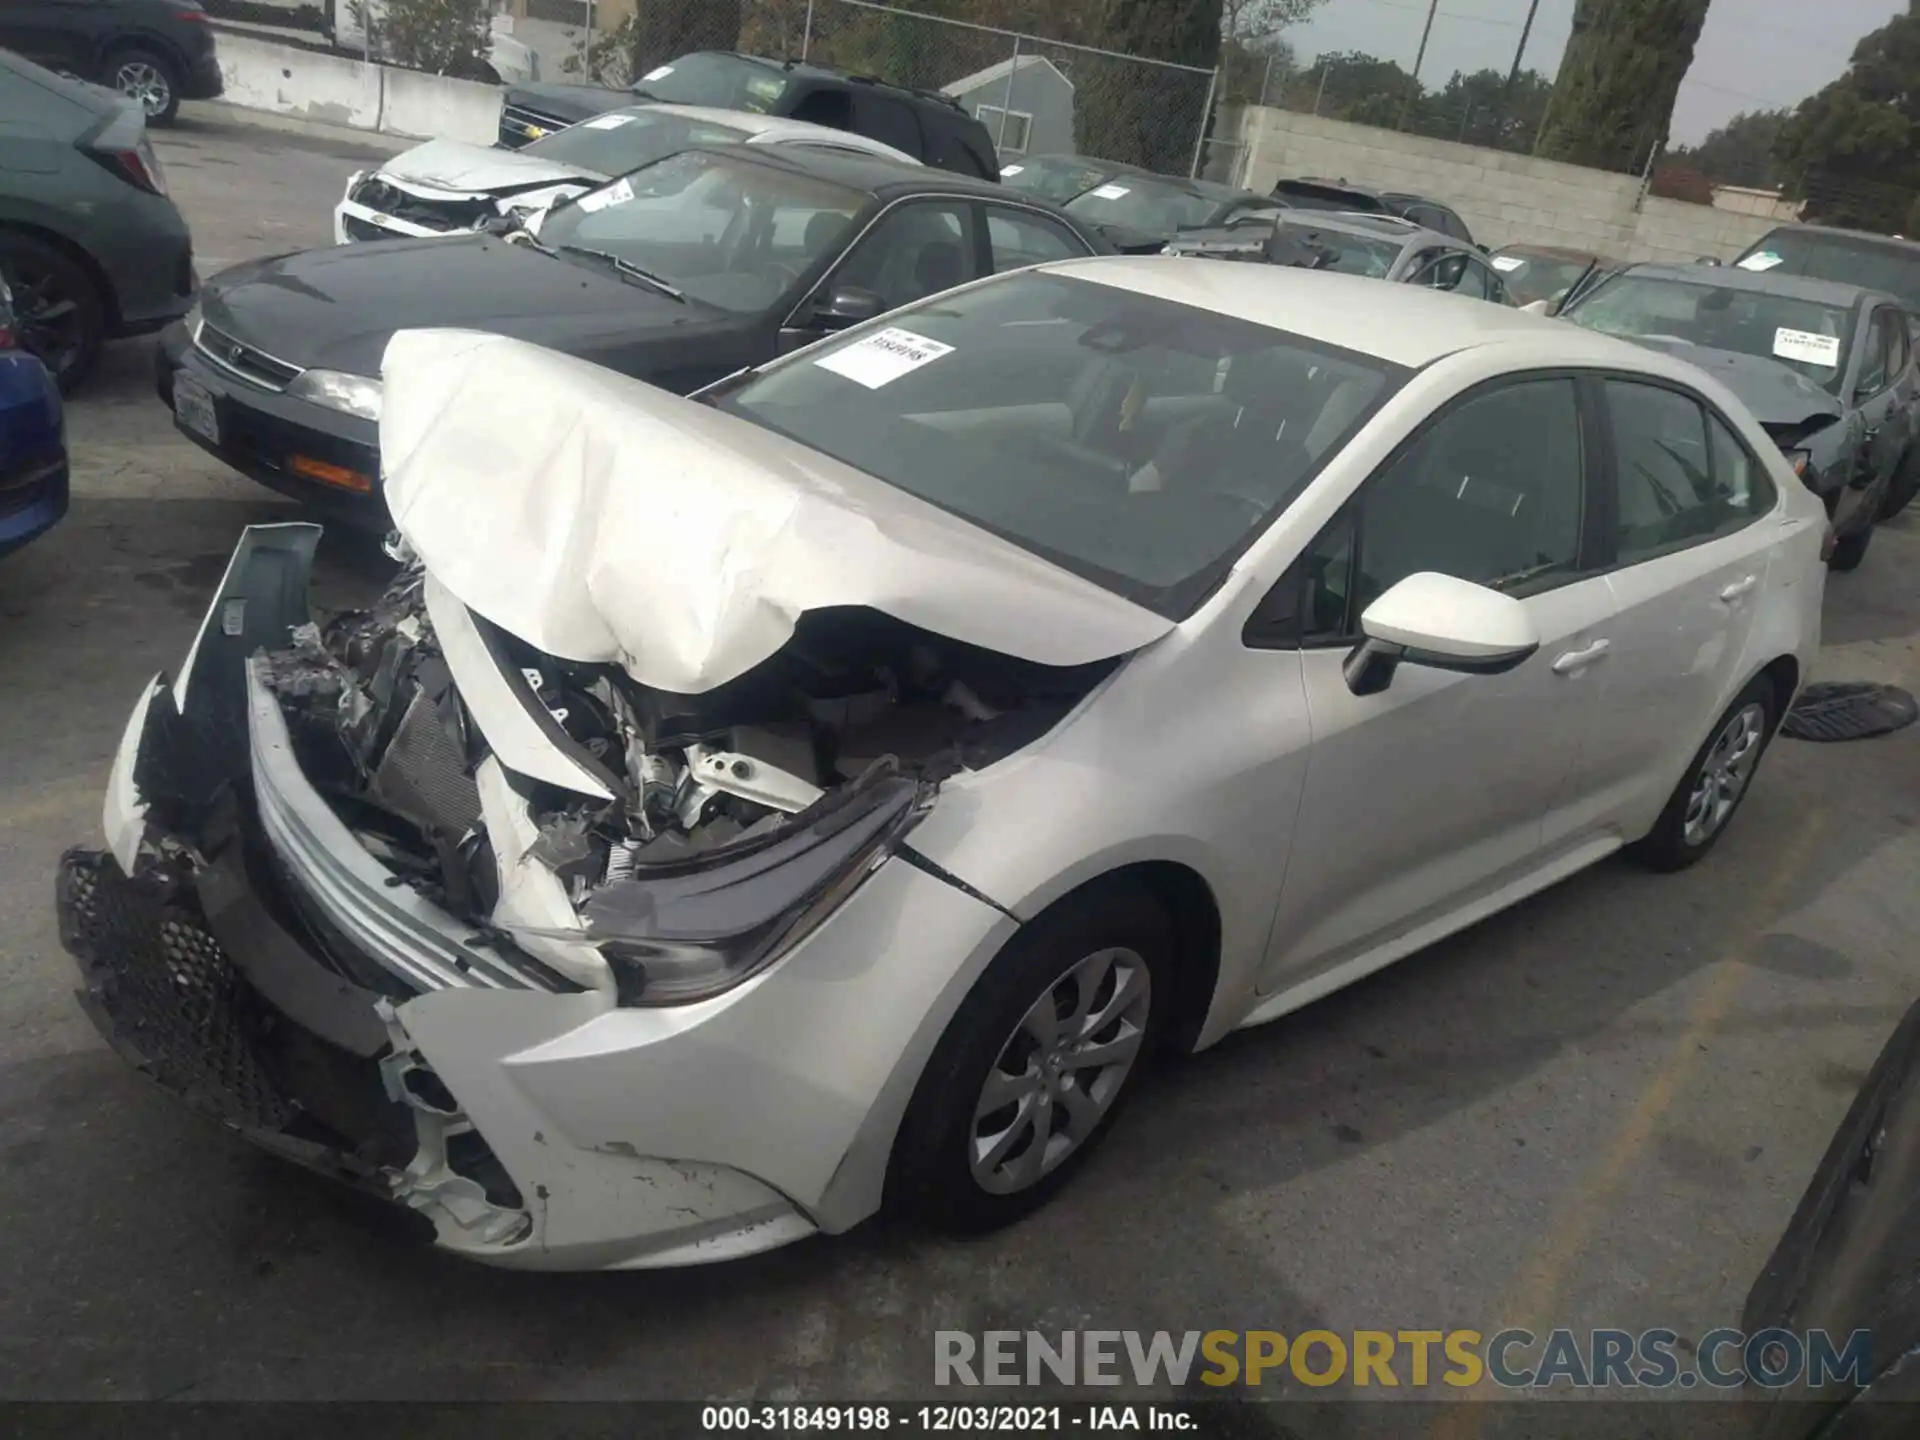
744 808
1381 247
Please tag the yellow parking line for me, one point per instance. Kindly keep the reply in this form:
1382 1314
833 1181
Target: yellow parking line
1531 1304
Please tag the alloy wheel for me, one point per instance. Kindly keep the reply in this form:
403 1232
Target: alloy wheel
51 323
1724 774
144 81
1059 1072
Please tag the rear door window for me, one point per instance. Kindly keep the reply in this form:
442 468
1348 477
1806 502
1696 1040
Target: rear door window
887 120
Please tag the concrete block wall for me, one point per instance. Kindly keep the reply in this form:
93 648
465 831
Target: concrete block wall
1504 198
289 80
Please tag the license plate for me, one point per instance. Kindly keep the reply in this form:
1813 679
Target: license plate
193 408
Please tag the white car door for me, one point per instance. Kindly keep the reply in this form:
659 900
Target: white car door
1432 794
1688 539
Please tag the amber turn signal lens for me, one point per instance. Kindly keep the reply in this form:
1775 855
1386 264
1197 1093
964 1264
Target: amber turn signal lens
337 476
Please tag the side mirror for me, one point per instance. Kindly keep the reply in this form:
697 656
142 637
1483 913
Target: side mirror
1444 624
1707 260
846 306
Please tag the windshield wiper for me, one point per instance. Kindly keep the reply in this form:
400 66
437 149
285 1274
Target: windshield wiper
627 270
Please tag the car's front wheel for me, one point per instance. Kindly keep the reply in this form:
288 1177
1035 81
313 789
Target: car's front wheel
1850 550
1716 782
1030 1073
58 311
149 78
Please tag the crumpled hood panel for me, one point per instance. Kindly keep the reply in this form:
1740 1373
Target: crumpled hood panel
476 169
603 520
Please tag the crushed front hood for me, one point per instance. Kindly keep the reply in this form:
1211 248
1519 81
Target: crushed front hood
477 170
1776 393
605 521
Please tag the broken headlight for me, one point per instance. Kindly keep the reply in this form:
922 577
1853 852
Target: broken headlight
336 390
691 929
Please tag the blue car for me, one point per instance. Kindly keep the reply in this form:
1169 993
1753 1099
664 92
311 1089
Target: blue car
33 441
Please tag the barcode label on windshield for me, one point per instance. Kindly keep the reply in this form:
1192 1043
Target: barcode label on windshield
882 358
1805 346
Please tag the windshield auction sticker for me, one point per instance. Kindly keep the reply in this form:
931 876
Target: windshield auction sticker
608 122
882 358
1807 347
1110 192
617 194
1507 263
1763 260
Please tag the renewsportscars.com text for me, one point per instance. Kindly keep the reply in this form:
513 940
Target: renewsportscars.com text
1391 1359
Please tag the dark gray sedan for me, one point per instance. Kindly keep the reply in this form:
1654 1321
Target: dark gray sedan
1827 369
89 242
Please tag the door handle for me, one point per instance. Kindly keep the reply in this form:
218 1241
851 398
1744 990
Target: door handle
1577 660
1739 587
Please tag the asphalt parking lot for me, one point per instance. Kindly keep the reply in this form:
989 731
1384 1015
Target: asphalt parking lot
1597 1109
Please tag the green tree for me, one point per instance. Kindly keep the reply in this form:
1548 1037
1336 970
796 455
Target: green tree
1347 85
1478 109
1155 125
1613 98
1740 152
1849 151
441 37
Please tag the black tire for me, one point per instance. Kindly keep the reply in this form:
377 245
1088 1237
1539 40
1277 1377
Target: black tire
1667 847
931 1175
147 76
59 313
1850 550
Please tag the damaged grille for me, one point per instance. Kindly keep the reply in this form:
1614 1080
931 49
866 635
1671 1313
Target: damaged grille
448 214
170 993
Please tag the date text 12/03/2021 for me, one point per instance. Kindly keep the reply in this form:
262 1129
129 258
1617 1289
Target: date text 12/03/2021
947 1419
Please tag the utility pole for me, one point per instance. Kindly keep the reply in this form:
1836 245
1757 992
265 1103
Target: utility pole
1419 59
1506 95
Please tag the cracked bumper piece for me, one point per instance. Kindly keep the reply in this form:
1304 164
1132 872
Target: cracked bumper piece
238 948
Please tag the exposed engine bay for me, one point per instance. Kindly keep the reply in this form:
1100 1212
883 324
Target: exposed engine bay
859 716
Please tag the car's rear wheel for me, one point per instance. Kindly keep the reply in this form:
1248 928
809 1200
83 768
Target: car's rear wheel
58 310
1033 1068
1716 782
1850 550
148 77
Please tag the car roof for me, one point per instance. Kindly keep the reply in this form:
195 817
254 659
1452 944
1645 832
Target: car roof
1555 252
808 70
1890 242
1393 228
750 122
875 174
1407 325
1760 282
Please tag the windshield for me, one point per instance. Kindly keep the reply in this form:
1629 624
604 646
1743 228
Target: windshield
1802 334
1139 202
1350 254
1053 177
719 82
623 140
1848 259
724 230
1132 440
1537 277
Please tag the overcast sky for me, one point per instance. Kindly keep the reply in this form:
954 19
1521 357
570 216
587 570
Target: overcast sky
1753 55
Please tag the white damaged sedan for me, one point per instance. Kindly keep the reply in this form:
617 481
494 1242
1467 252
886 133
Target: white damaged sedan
743 810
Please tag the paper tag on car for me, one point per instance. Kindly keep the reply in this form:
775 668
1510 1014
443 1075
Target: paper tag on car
1105 192
659 72
1805 346
608 122
1011 169
882 358
615 194
1764 260
1506 264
